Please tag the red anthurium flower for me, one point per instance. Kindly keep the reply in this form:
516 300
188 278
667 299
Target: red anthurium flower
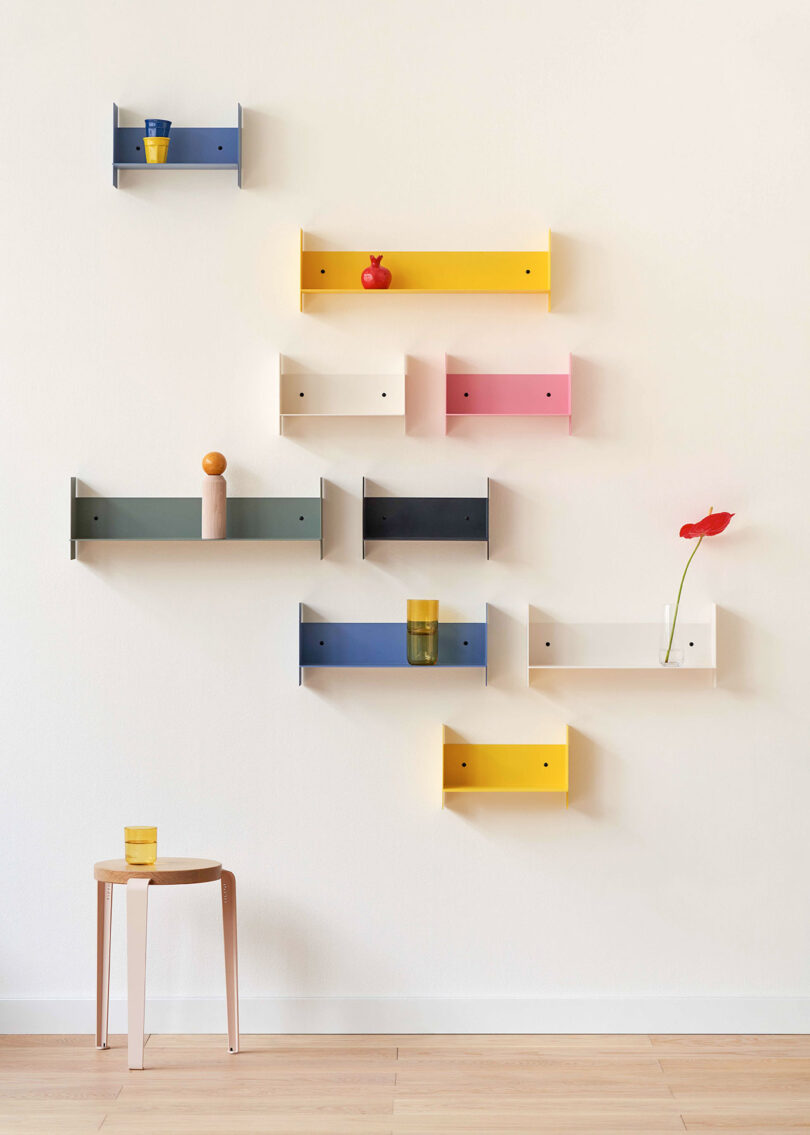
711 525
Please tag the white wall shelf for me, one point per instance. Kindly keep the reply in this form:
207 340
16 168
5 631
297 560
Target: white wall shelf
617 646
340 395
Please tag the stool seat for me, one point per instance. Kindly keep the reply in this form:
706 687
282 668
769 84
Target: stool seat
164 871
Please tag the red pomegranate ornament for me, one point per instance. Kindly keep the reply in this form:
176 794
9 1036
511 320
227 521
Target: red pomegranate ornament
375 276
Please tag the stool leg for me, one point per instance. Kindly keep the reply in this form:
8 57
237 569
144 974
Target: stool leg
137 897
103 929
231 969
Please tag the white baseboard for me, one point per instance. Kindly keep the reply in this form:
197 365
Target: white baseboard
426 1015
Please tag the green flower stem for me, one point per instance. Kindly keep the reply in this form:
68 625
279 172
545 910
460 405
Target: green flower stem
680 589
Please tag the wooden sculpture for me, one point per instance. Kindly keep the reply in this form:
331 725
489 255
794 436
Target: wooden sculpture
214 497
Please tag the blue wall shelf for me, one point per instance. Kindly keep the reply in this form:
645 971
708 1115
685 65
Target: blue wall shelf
180 518
426 518
361 645
191 147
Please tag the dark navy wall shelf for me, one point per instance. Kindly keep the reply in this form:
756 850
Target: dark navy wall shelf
191 147
180 518
362 645
426 518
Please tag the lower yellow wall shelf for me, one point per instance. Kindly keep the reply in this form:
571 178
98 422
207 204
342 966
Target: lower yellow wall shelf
504 768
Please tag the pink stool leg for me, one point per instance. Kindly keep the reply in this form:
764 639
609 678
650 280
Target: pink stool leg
103 929
137 898
231 970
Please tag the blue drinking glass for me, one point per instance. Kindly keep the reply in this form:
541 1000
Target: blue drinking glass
158 127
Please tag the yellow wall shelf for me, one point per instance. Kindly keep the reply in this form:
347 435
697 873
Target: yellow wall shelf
504 768
414 273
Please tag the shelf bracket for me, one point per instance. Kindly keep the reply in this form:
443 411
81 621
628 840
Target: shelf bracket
115 127
488 510
321 494
486 644
73 543
239 145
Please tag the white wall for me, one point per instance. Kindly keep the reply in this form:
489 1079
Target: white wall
666 145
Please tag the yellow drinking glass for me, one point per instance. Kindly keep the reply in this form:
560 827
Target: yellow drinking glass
140 846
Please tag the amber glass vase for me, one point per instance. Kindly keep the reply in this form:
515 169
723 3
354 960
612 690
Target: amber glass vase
140 846
423 632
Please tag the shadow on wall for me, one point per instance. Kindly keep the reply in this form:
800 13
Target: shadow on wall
287 940
263 151
587 383
587 774
342 524
425 397
502 633
507 513
734 650
569 267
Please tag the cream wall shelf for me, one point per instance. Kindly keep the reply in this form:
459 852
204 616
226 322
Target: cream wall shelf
340 395
617 646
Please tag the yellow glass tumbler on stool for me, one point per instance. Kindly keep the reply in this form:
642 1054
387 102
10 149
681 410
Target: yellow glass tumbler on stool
140 846
423 632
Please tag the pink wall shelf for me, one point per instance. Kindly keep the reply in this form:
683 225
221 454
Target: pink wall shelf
508 395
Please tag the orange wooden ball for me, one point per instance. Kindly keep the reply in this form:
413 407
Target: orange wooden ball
214 464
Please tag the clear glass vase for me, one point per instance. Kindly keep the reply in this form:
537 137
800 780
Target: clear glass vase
670 653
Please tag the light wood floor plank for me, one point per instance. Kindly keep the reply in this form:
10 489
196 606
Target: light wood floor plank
788 1044
408 1085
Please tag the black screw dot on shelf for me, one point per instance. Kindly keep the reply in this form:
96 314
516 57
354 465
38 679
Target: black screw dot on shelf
548 644
691 644
465 643
383 394
545 764
321 642
463 764
466 395
137 147
95 518
300 394
323 271
300 518
548 394
528 271
219 147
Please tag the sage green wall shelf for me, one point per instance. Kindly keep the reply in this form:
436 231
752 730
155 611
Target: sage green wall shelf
180 518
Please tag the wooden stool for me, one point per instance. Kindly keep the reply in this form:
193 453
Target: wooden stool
163 872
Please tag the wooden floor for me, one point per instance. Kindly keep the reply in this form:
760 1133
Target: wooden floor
403 1085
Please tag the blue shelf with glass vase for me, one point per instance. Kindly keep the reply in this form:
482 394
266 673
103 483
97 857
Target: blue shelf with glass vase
190 148
372 645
